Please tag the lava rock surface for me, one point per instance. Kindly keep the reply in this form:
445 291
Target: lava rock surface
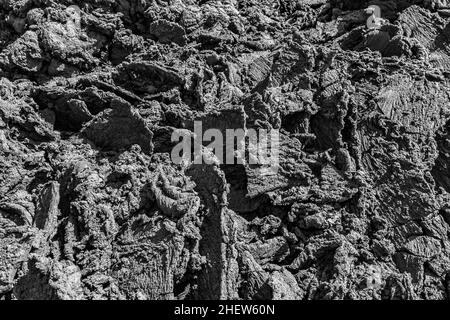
92 207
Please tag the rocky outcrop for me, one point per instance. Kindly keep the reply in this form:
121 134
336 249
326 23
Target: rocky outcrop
93 207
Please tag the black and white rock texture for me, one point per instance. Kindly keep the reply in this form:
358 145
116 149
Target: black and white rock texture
92 207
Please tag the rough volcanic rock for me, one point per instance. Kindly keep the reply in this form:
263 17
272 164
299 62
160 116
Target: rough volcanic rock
92 206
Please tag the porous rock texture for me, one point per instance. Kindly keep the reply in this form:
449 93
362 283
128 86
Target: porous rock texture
92 207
